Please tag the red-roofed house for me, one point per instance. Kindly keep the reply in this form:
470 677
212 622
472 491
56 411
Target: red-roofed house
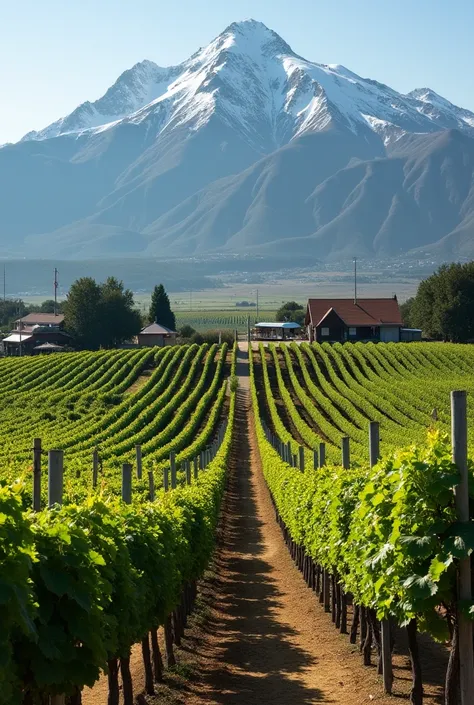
339 320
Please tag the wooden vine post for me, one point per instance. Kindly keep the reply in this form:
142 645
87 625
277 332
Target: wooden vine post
125 661
138 455
95 467
459 449
173 469
55 477
346 454
37 451
322 455
151 486
55 496
385 636
301 458
127 483
374 443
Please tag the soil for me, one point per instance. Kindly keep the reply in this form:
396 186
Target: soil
259 636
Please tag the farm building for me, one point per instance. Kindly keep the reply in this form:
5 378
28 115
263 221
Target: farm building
275 331
156 334
35 330
339 320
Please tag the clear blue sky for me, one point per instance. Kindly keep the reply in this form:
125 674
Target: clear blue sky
54 54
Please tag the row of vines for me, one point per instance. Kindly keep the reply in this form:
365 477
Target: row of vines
320 393
384 540
81 583
163 400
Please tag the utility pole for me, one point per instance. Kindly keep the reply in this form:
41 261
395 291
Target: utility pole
355 280
4 316
55 291
21 326
257 309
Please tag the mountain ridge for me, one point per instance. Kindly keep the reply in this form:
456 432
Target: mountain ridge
242 146
139 89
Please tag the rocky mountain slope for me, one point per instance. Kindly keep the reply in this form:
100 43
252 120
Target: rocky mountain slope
245 145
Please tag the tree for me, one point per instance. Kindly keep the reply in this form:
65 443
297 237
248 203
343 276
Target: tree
120 320
100 315
160 309
48 306
406 310
291 311
444 303
82 318
10 311
187 331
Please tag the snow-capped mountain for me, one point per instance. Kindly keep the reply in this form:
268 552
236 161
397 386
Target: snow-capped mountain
244 146
253 80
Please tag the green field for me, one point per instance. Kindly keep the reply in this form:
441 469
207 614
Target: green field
222 320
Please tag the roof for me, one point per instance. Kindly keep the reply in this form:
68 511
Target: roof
17 338
157 329
286 324
48 346
46 319
366 312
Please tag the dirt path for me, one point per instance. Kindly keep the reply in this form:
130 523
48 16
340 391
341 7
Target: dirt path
260 637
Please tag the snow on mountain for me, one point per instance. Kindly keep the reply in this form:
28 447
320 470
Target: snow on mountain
250 79
134 88
439 109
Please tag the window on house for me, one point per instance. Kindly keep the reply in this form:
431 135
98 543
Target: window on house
325 332
352 332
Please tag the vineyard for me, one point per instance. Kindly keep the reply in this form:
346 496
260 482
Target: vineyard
110 402
383 534
124 457
318 393
222 320
82 582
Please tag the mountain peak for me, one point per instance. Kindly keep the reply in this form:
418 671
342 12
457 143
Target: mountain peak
428 95
255 32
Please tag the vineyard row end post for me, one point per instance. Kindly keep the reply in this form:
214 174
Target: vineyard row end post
138 455
322 455
301 458
55 477
127 483
95 467
459 451
55 496
346 458
387 669
173 469
37 451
